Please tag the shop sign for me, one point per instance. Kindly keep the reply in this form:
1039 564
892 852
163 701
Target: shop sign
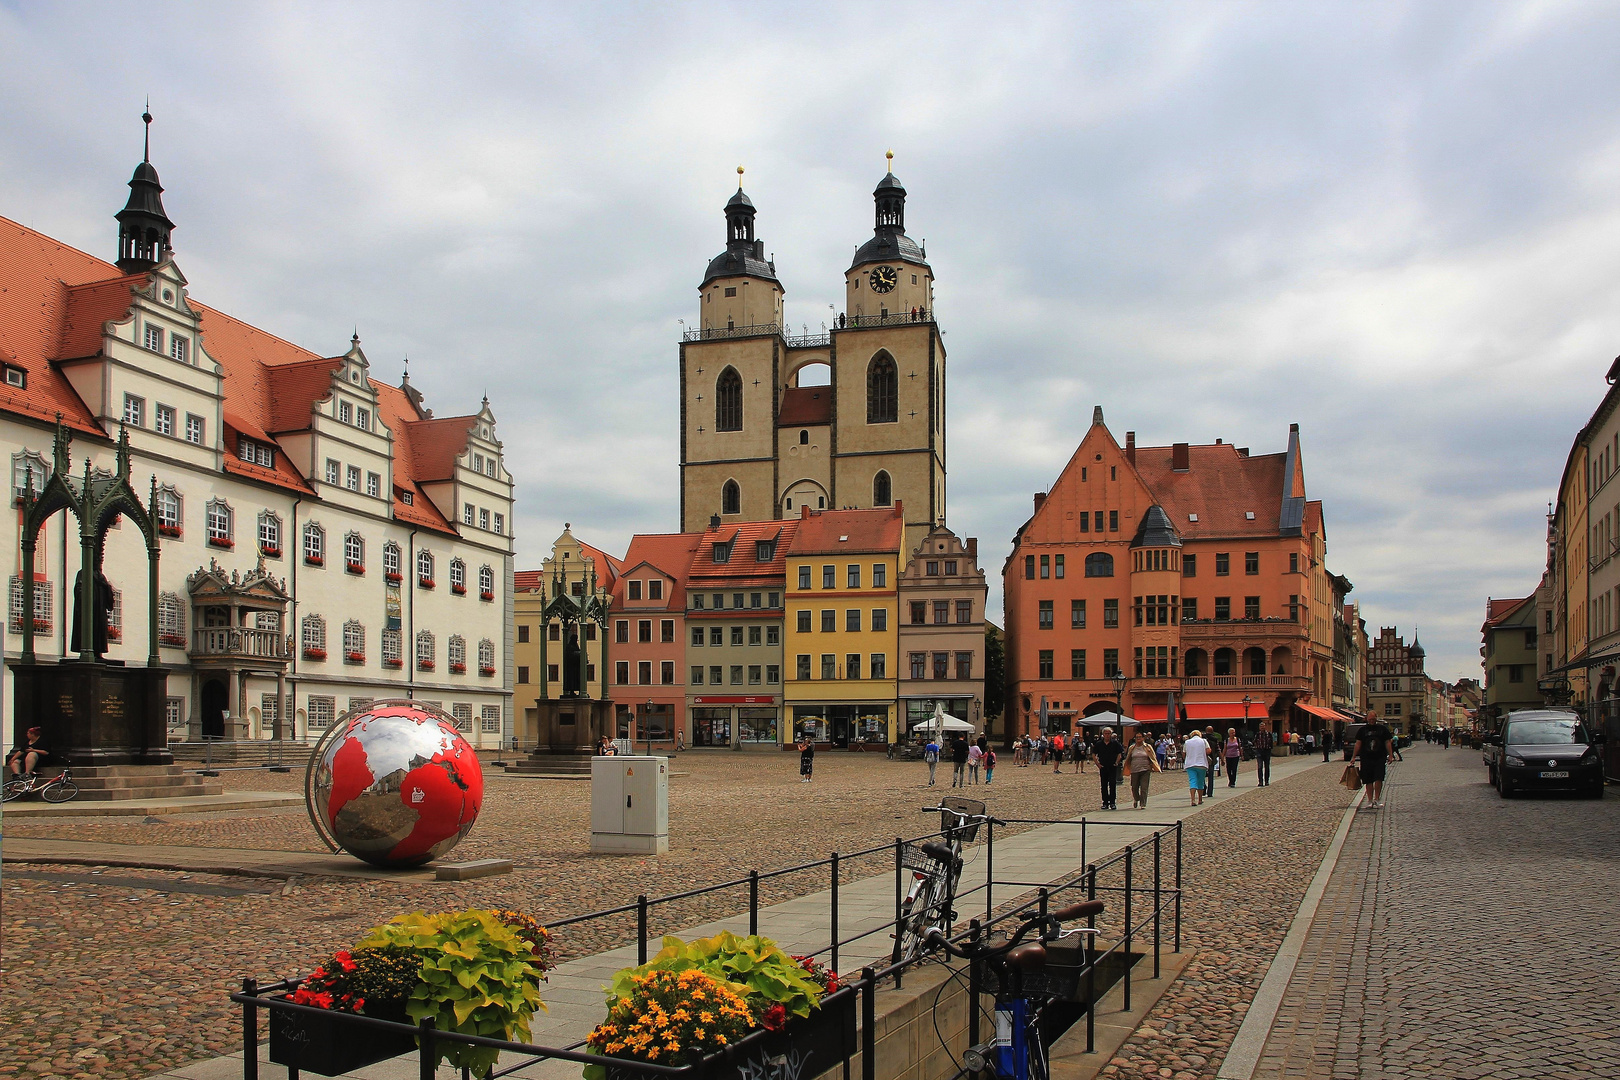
752 700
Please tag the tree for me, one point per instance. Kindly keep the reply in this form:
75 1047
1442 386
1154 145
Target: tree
995 675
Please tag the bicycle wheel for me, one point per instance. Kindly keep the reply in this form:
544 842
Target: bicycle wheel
14 789
59 791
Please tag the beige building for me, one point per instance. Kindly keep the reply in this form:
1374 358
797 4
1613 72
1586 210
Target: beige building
1398 692
773 423
541 654
942 597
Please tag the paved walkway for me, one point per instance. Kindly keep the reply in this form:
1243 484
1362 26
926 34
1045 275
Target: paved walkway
1461 935
573 993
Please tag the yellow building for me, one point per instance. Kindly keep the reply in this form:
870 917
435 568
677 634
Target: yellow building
841 642
773 422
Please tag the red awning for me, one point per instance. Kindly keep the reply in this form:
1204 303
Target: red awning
1325 714
1201 710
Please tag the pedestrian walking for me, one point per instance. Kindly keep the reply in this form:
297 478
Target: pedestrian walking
807 758
1161 750
989 765
1057 753
1371 755
975 755
1234 755
680 739
1327 747
1141 761
931 755
1263 743
959 756
1109 753
1196 750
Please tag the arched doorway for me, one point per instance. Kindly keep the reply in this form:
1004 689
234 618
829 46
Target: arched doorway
215 697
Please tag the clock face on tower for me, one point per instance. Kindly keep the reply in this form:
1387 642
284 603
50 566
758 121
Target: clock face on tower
884 279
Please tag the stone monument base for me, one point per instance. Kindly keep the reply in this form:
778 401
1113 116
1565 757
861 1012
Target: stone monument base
569 730
94 713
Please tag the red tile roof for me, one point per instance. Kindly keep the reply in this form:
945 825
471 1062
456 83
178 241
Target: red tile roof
1498 611
828 531
743 567
1220 486
804 406
525 580
608 568
56 300
668 553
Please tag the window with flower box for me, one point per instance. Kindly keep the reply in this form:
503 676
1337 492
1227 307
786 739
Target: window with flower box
43 605
424 568
458 577
314 545
270 535
313 637
168 512
354 553
424 650
115 617
220 524
392 649
486 657
391 562
457 653
171 620
354 642
486 583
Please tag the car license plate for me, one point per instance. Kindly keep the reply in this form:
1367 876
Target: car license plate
1555 776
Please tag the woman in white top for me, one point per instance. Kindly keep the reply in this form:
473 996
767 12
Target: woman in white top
1195 752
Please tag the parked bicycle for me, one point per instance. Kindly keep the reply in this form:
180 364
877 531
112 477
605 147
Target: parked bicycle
53 789
1027 980
936 867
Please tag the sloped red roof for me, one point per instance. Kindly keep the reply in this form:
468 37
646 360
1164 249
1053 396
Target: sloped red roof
1313 517
668 553
743 566
1220 486
437 443
803 406
1497 611
828 531
525 580
608 568
90 307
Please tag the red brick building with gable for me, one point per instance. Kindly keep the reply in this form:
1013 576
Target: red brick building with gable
1186 568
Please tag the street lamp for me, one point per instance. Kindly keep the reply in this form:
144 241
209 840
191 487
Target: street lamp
1119 697
1247 701
646 716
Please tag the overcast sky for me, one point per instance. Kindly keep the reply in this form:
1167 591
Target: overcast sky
1397 225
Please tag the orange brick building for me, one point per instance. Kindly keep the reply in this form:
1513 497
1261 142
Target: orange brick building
1189 568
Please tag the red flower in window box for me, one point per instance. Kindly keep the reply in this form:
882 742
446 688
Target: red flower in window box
393 578
315 560
312 653
482 670
177 640
393 663
459 590
115 633
486 596
354 657
458 668
270 552
43 626
169 530
424 665
426 583
355 567
221 542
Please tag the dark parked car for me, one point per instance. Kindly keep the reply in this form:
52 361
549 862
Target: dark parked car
1544 750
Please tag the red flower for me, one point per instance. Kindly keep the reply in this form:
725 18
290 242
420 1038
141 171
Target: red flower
775 1018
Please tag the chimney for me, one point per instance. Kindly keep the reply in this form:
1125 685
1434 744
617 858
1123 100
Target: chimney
1130 447
1180 459
973 548
900 509
714 521
1243 451
1040 498
804 511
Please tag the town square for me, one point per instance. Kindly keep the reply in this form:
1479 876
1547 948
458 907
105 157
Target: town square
439 641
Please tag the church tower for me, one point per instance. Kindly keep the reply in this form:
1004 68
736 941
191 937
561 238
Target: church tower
757 445
143 227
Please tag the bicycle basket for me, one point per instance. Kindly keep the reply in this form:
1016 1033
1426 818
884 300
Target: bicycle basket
1059 978
971 808
913 857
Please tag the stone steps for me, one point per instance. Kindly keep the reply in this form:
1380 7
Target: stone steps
108 783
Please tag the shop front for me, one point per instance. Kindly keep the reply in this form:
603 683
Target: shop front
747 722
920 711
844 726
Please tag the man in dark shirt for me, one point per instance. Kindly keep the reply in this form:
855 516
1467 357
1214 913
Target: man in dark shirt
1371 754
959 757
1263 742
1109 751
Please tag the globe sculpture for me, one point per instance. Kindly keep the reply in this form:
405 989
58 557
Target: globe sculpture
394 784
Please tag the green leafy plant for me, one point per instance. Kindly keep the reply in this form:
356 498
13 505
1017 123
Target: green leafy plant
770 979
478 977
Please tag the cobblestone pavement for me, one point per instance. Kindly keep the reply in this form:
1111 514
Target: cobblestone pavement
1248 863
124 973
1461 935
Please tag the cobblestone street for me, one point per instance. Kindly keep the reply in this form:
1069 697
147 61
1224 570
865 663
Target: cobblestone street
1461 935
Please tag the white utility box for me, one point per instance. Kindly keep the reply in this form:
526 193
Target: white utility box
629 805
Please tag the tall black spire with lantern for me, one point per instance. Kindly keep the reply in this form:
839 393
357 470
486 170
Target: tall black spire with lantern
143 227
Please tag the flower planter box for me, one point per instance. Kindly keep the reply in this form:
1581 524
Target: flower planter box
354 658
221 542
486 596
270 552
459 590
314 654
458 669
426 583
807 1047
424 665
171 531
393 663
331 1045
486 671
355 568
314 560
177 641
393 578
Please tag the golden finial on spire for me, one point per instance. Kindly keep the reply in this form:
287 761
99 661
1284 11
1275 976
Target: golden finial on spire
890 157
739 177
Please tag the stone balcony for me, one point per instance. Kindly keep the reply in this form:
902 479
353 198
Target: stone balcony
238 643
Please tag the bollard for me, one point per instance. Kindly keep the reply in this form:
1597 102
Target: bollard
753 902
1158 903
1178 887
428 1064
989 873
1130 850
250 1031
834 960
641 928
868 1024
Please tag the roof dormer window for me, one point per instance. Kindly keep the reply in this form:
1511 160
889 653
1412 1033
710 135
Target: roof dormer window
16 376
722 552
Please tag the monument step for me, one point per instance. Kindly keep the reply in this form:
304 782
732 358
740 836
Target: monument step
116 794
552 766
139 783
80 773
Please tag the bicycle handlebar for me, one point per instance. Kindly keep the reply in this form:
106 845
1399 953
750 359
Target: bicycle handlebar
961 814
1081 910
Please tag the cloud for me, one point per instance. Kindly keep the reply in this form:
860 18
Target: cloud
1395 224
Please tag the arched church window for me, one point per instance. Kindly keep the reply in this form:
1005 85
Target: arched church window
731 498
728 401
804 438
882 391
882 495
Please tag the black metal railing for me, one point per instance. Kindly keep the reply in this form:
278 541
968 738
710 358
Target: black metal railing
1092 879
719 333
